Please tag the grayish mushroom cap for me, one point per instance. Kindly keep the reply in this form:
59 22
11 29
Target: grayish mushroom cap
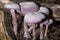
11 6
27 3
44 10
33 17
48 22
27 7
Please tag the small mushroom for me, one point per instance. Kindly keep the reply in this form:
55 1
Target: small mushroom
12 7
45 11
47 23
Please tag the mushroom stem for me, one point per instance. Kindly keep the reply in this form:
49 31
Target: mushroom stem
46 31
14 21
41 31
34 33
25 27
26 34
30 29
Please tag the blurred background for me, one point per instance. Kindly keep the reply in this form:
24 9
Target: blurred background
5 21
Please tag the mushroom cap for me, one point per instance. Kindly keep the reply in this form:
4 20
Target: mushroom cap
44 10
34 17
48 22
11 6
27 7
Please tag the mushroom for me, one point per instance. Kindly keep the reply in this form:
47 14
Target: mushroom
31 20
47 23
12 7
27 7
45 11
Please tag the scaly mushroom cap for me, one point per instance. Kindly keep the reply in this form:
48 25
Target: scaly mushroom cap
11 6
27 7
44 10
33 17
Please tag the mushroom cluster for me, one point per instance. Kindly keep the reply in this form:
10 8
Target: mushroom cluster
20 9
33 18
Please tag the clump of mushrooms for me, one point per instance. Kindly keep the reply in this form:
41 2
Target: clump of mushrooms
24 5
33 18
